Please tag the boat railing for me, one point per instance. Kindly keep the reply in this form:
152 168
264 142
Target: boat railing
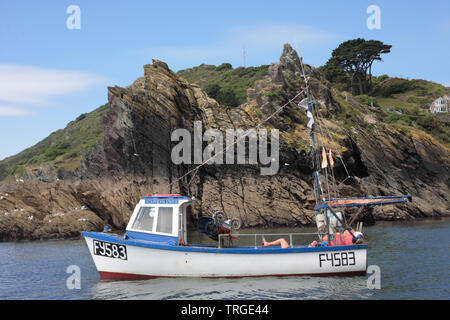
261 235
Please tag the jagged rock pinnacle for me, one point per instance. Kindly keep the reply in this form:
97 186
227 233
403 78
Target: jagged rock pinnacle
148 68
290 61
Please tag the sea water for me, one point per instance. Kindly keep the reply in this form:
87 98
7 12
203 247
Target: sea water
413 259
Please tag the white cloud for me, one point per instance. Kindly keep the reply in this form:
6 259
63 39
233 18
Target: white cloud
7 111
34 86
257 38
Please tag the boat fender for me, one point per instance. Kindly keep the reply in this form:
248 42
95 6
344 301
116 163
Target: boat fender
337 239
181 242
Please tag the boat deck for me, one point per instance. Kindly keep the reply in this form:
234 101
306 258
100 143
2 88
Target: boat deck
118 239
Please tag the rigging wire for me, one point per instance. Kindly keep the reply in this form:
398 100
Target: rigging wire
336 192
278 110
338 155
320 119
326 127
313 110
321 143
382 173
192 178
367 157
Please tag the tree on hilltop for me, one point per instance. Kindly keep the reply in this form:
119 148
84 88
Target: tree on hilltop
352 62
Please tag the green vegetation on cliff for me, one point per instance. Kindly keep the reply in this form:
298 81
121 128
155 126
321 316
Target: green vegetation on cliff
226 85
398 102
63 149
406 102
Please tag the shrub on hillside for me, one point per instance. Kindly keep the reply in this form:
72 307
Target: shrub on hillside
367 101
224 66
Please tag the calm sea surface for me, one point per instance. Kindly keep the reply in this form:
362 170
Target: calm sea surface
414 259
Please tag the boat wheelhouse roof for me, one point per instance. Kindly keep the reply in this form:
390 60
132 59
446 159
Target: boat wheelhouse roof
164 198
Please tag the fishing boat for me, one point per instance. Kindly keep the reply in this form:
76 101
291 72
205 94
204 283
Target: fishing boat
156 244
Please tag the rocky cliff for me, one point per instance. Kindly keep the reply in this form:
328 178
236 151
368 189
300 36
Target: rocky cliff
133 158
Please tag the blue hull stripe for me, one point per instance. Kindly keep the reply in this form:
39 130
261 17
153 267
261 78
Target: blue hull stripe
235 250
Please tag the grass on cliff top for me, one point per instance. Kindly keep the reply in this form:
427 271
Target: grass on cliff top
404 102
226 85
414 91
405 95
63 149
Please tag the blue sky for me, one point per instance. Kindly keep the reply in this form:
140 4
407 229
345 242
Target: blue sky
50 74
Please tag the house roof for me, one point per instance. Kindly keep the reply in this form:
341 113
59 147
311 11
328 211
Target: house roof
445 97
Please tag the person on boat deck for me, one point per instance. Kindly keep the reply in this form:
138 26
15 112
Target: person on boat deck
347 240
279 242
313 244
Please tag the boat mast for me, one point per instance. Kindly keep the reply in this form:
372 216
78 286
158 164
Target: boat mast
311 134
310 115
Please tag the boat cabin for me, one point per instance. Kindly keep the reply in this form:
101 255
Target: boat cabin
160 218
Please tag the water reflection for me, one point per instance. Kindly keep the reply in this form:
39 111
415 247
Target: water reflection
236 288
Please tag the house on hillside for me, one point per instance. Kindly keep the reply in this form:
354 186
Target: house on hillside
440 105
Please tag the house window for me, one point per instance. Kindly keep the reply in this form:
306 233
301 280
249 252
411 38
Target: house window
164 224
144 219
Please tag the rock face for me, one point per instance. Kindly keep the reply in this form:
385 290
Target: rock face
134 159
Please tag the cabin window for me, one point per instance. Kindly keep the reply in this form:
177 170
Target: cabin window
144 219
165 220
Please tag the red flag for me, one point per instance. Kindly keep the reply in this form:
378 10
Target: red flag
330 156
324 159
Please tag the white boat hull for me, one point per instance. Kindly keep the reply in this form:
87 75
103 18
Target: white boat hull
144 261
